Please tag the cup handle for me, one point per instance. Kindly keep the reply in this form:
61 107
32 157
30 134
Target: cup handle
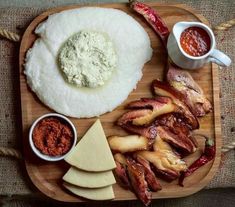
220 58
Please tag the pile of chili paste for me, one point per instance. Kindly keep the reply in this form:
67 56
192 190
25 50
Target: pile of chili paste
52 136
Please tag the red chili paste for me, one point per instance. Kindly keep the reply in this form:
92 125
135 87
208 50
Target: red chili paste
52 136
195 41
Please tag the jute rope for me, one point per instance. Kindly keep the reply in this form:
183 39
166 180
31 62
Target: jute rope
9 35
225 25
229 147
10 152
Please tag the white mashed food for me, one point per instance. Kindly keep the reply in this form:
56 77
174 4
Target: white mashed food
87 59
132 46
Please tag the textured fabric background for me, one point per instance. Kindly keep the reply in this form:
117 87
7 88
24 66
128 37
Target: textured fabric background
13 179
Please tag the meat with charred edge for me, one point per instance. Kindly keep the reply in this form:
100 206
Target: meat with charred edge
182 143
173 130
171 126
121 175
129 143
149 175
138 182
166 175
148 103
136 176
147 131
147 110
164 89
163 161
194 96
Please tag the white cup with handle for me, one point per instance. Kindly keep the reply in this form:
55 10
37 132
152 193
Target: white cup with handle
186 61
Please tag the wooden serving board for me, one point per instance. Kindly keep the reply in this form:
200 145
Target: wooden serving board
46 176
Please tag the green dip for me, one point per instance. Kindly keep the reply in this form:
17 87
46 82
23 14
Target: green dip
87 59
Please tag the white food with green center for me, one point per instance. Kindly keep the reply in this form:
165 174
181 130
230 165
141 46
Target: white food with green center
44 76
88 59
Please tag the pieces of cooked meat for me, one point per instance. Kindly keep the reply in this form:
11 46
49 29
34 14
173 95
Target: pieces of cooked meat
146 110
120 171
194 96
174 131
146 131
170 128
136 174
181 142
149 175
128 143
164 89
164 162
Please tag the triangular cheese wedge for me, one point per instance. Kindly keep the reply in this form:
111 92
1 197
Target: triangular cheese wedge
92 153
105 193
89 179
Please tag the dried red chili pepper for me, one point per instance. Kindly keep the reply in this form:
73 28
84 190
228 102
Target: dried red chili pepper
152 18
206 156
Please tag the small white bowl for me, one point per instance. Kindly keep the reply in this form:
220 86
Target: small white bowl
40 154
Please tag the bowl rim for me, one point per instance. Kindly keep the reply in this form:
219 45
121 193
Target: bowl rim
47 157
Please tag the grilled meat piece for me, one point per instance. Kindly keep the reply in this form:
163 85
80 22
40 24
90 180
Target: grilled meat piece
136 174
178 132
171 129
181 142
194 96
128 143
167 163
149 103
121 175
164 89
164 162
131 115
146 131
174 122
132 175
149 175
147 110
120 171
167 175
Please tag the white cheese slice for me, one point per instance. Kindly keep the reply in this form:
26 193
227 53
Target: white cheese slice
105 193
89 179
92 153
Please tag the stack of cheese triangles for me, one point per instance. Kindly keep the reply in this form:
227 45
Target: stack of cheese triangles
92 162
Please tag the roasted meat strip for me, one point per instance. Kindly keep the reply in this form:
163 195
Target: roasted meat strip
136 174
174 131
194 96
149 175
164 162
147 131
130 143
136 143
182 143
164 89
147 110
120 171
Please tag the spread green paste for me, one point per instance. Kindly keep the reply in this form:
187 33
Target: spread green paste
88 59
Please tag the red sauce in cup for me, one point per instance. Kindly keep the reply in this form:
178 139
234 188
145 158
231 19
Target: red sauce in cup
52 136
195 41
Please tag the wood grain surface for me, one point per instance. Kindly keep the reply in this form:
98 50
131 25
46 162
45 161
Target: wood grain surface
46 176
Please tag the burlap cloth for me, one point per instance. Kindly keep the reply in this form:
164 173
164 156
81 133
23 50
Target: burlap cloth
13 180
